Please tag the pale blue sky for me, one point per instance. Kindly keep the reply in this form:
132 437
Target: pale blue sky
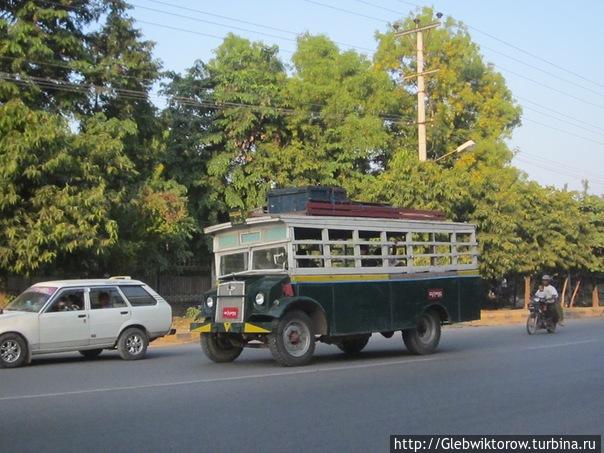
568 34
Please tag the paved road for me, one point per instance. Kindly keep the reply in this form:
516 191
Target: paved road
484 380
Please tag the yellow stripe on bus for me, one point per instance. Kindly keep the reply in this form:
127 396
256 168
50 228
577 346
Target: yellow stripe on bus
203 329
339 278
251 328
371 277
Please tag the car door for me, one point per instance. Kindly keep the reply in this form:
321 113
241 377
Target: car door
64 323
109 312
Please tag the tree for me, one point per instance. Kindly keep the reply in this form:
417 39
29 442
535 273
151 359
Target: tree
97 198
248 83
466 99
344 121
121 63
54 197
41 41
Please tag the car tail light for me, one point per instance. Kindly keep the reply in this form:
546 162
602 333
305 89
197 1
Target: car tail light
288 289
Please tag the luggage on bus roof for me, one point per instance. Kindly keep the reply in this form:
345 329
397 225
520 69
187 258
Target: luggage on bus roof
333 201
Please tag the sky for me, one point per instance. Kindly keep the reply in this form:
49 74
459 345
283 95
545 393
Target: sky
549 51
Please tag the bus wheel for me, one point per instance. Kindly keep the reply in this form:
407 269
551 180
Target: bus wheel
292 342
425 337
218 348
353 346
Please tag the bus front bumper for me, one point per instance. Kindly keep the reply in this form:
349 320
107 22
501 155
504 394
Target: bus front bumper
230 327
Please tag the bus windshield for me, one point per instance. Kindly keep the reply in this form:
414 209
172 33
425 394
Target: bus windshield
233 263
271 258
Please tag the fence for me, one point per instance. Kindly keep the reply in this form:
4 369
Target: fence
182 288
509 292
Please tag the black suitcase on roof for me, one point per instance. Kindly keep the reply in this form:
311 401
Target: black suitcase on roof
295 199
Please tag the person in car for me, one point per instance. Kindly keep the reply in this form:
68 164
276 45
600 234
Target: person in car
62 304
104 300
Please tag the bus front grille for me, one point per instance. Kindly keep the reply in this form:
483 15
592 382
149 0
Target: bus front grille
230 304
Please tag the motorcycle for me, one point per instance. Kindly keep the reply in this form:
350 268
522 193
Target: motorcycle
541 316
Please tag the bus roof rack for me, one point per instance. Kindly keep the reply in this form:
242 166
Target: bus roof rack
333 201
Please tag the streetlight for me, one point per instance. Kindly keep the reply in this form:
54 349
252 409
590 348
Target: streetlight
460 149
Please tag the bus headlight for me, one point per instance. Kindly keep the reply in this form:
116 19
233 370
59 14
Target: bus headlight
210 302
259 299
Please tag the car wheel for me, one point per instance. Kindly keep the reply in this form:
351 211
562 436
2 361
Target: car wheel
132 344
425 337
218 348
292 342
91 353
353 346
13 351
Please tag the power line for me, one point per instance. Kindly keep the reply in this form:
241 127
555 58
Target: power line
550 87
230 27
198 33
563 131
388 117
565 121
343 10
254 24
557 112
563 165
536 57
143 95
543 70
383 8
515 47
558 171
73 68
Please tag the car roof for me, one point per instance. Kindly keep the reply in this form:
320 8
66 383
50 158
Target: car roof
91 282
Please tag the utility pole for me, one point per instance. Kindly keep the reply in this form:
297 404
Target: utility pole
421 84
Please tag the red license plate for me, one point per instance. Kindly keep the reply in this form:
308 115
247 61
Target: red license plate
230 312
435 294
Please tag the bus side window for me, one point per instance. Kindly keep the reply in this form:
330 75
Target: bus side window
371 245
442 249
420 250
341 247
398 249
464 248
310 249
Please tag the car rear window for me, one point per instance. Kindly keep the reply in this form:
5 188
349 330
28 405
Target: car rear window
138 296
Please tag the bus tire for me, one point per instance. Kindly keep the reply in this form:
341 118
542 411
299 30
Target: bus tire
219 349
292 341
424 338
353 346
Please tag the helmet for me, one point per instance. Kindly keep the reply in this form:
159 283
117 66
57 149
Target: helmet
546 278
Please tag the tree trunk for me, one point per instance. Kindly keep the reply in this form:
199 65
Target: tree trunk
595 296
574 296
564 287
527 290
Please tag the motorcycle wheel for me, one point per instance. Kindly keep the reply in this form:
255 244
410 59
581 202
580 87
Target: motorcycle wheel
551 327
531 324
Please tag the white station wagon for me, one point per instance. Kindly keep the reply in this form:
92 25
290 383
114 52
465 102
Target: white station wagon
82 315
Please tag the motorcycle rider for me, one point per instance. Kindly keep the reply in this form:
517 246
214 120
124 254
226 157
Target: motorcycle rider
550 294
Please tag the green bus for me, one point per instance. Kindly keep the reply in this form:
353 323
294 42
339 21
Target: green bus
288 280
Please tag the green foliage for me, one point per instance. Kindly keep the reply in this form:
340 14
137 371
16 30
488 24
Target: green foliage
54 198
96 180
193 313
468 99
79 187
